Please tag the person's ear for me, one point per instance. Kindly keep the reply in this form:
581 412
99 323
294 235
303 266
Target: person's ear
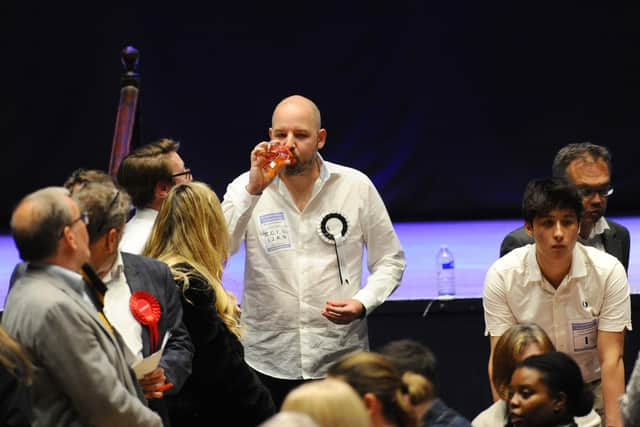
322 138
560 403
528 226
113 239
162 189
372 403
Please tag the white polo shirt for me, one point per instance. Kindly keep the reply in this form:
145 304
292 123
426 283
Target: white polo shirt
593 297
137 231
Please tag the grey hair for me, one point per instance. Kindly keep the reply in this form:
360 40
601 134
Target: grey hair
37 237
580 150
108 207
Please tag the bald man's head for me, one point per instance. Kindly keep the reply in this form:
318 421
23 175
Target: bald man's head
38 220
301 101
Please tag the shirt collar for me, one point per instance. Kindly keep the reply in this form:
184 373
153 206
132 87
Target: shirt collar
599 227
534 275
116 270
146 213
71 278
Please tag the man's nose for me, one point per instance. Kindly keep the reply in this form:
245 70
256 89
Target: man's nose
558 231
597 198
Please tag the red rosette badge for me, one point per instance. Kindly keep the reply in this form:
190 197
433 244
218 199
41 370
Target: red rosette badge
146 310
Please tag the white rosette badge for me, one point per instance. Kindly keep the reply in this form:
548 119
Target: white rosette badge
333 229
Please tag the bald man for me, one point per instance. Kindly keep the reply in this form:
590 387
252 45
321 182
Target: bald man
81 376
305 228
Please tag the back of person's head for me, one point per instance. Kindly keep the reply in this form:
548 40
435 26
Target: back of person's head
289 419
509 351
562 376
411 356
81 176
144 167
190 228
107 205
38 221
371 374
544 195
582 150
330 402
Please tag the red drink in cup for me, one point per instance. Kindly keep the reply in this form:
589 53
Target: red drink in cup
275 155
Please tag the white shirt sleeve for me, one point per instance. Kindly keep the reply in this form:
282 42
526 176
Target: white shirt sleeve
615 315
237 206
497 314
385 257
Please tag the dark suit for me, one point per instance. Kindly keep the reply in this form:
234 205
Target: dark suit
616 241
150 275
81 376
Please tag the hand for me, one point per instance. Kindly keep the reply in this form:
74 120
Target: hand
152 384
343 311
259 177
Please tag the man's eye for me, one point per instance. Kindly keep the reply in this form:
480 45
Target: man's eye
547 223
568 222
301 135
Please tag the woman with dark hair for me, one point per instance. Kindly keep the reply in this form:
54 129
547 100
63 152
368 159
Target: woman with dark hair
548 391
516 344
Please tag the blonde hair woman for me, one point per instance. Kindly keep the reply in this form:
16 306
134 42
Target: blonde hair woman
330 402
190 235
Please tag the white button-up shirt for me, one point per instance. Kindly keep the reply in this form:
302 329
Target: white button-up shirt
291 272
117 310
137 231
593 297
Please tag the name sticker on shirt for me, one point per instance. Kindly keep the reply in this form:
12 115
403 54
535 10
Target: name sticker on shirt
584 333
274 232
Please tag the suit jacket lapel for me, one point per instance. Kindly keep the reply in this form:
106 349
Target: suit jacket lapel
612 244
136 283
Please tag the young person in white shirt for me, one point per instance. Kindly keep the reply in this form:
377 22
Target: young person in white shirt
303 306
578 294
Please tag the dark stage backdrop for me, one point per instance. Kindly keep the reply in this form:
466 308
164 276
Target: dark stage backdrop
450 107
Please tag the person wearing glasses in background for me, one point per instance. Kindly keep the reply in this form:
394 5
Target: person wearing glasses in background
577 294
588 167
80 375
147 174
132 280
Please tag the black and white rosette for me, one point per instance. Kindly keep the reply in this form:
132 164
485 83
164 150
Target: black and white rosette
333 229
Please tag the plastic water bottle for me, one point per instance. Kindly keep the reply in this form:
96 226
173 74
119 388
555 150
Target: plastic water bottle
445 279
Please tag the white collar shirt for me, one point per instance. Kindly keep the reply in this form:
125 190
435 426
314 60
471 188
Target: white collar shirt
291 272
593 297
595 238
137 231
116 309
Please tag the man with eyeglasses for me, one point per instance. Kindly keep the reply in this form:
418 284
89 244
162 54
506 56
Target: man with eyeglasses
127 277
578 294
148 173
81 376
588 167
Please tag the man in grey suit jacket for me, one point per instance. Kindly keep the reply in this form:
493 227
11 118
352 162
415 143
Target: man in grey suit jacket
588 167
81 376
127 276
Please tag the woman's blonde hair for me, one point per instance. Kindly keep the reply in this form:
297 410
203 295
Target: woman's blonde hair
330 402
191 229
509 349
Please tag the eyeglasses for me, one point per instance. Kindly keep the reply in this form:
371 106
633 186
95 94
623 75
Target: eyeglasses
587 192
84 217
186 173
